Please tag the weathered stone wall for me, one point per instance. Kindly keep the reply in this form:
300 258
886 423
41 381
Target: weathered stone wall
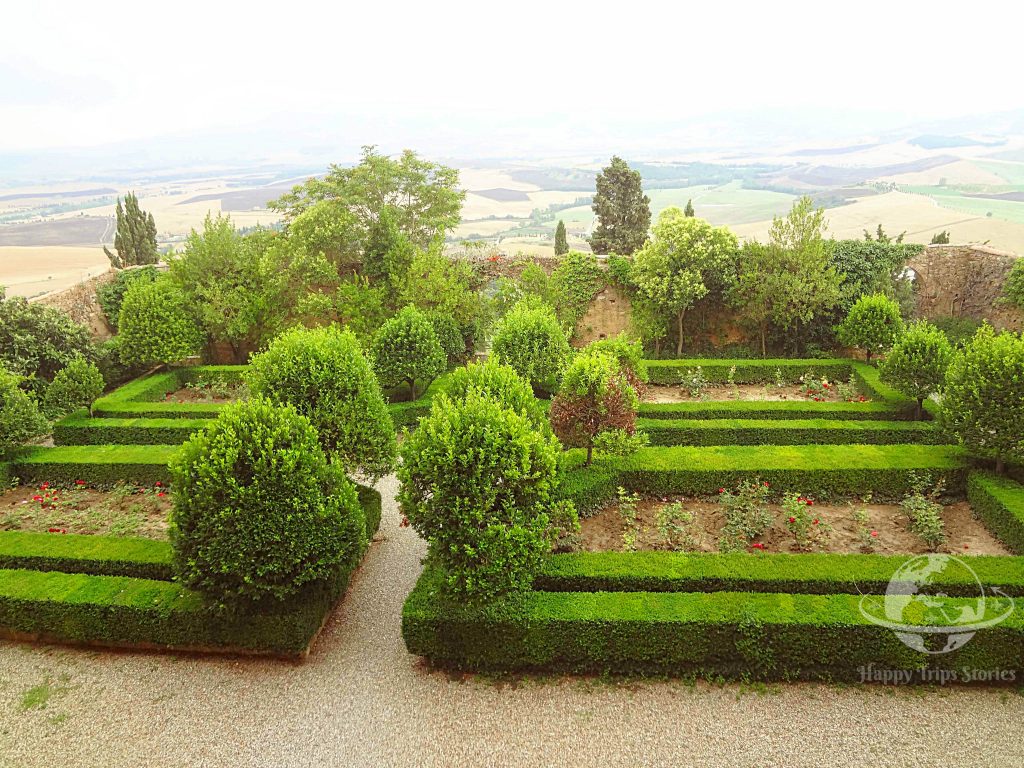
965 281
606 317
79 301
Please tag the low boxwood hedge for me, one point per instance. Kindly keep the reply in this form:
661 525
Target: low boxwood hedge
752 635
775 409
669 432
806 573
79 429
999 502
102 466
97 555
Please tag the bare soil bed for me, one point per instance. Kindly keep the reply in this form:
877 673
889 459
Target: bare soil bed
752 392
124 511
603 532
206 393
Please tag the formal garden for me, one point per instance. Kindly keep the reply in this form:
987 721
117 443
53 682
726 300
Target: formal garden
671 500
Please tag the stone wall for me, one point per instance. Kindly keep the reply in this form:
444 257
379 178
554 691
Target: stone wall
79 301
965 281
606 317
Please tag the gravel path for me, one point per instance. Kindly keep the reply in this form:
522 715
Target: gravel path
361 700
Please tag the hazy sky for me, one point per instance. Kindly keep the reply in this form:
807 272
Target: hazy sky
84 73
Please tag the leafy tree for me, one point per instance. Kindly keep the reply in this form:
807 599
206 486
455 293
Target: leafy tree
688 210
20 419
940 238
534 281
323 374
36 341
361 307
594 398
649 323
437 283
676 267
630 357
135 240
983 396
389 253
406 350
755 292
561 241
449 336
531 340
424 197
500 383
75 386
917 364
873 324
1014 287
480 483
623 210
574 283
259 512
870 266
111 294
331 229
156 324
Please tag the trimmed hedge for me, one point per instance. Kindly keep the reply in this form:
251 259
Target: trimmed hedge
98 465
753 635
999 502
805 573
73 605
667 432
822 471
748 371
79 429
780 409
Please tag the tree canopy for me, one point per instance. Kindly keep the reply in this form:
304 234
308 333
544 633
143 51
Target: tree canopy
135 240
622 209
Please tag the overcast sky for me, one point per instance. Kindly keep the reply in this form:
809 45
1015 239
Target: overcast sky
87 73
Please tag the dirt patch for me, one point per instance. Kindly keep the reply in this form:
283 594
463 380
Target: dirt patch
603 532
217 392
124 511
752 392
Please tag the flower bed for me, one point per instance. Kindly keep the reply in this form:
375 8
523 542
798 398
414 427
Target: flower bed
668 432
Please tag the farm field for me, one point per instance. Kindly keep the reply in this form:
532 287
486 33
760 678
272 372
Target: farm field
26 271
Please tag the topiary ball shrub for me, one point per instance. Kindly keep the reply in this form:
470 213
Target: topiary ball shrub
75 386
155 325
873 324
406 350
917 364
323 373
449 336
531 341
479 483
20 419
498 382
259 512
630 357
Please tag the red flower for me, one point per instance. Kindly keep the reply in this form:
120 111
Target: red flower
37 498
44 486
792 519
766 485
79 482
404 522
757 545
158 484
810 502
815 521
161 494
721 490
875 534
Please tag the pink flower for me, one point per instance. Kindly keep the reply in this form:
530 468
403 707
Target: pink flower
875 534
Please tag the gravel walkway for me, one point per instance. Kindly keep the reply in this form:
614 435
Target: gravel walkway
361 700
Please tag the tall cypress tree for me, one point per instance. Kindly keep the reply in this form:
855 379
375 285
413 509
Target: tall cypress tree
135 241
623 210
688 211
561 241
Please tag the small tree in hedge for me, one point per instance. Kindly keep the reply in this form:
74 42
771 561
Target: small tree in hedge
20 419
873 324
324 375
531 341
498 382
983 396
479 483
111 294
259 512
917 364
75 386
449 336
155 325
595 398
406 349
630 357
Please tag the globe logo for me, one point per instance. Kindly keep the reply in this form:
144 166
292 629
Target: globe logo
924 617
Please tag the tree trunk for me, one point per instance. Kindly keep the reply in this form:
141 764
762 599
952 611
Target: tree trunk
679 341
1000 466
764 352
867 356
590 454
920 409
412 388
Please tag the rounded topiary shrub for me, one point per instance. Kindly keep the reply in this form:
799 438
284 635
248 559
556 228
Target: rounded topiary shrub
499 382
449 336
74 386
405 351
259 512
531 340
479 483
155 326
323 373
873 324
20 419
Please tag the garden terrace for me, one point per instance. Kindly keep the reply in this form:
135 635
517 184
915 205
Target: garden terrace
739 431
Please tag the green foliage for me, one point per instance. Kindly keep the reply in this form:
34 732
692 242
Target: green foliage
574 283
999 503
156 324
75 386
688 210
323 374
561 241
36 341
111 294
389 252
80 429
983 396
940 238
531 341
681 264
534 281
743 431
97 555
423 197
500 383
449 336
258 510
873 324
479 482
959 330
135 240
629 355
871 266
917 364
1013 289
437 283
361 307
101 466
406 350
925 513
623 211
746 514
20 419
